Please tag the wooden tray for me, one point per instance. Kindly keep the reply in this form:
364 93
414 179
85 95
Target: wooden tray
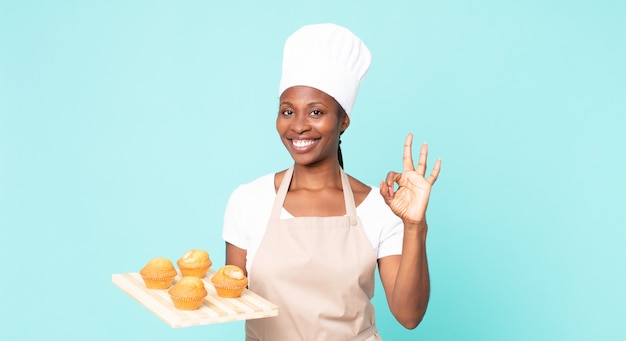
214 309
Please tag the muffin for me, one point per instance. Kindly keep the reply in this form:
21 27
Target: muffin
188 293
194 263
158 273
229 281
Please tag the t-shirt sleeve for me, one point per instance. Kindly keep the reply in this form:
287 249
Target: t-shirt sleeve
384 229
391 237
232 231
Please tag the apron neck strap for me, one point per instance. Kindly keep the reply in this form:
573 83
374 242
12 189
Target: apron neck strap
281 194
348 197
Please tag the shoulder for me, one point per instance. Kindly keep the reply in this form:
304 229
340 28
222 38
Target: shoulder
375 202
370 204
259 184
250 202
256 190
278 178
361 191
374 210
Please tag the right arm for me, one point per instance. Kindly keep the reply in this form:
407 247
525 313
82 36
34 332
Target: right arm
236 256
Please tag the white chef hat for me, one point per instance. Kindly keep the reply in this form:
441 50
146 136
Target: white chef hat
327 57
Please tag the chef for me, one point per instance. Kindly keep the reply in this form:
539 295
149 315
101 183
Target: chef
310 237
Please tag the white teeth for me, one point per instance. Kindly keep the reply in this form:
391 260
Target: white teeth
302 143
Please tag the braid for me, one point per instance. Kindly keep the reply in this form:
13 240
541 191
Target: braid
340 156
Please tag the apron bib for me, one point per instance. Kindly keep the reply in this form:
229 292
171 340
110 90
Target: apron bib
320 273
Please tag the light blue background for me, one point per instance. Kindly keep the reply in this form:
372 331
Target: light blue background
125 125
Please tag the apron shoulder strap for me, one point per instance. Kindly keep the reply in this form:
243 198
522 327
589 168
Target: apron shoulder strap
281 194
348 198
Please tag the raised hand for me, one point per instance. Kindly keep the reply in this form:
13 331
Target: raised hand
410 200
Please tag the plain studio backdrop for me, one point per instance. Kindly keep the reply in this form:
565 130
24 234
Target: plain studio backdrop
125 125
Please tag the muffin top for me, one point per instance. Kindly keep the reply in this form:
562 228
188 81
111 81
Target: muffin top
188 286
159 267
230 275
195 258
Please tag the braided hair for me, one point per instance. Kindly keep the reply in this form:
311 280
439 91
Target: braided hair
340 156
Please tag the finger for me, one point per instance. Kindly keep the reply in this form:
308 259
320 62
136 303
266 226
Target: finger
407 159
390 180
435 173
384 190
392 177
421 162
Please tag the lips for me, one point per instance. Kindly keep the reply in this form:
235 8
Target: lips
303 145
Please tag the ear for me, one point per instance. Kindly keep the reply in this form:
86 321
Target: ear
345 122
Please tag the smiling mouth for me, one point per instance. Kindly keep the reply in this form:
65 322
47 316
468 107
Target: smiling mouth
302 143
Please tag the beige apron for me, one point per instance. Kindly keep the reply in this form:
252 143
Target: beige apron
320 273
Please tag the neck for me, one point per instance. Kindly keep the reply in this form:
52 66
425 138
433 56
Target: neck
318 177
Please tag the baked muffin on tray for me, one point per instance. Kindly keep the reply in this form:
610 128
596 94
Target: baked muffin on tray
194 263
229 281
188 293
158 273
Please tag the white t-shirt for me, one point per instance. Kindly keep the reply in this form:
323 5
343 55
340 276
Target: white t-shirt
250 205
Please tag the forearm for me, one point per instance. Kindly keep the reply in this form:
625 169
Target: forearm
411 290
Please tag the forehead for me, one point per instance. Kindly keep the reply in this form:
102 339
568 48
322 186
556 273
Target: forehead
306 94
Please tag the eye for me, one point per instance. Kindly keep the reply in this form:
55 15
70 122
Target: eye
287 112
316 113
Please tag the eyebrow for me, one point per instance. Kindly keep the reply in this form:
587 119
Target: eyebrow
308 104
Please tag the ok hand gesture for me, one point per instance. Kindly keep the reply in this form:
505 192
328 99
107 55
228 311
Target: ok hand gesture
410 200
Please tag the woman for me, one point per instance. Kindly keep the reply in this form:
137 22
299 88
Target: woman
309 237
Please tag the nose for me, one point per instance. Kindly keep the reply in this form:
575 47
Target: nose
300 123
